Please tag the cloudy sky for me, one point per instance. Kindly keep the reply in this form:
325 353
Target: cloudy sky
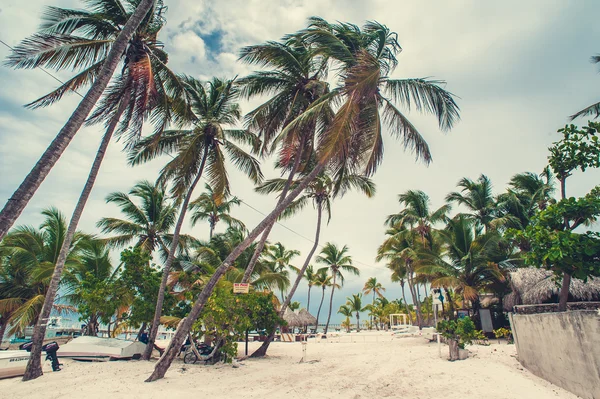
519 69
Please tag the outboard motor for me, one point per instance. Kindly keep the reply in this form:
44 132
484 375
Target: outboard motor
50 348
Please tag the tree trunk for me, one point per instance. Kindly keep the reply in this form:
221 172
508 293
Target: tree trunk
330 305
453 347
3 330
308 302
319 311
564 293
92 327
417 304
403 294
262 350
357 322
173 349
212 229
142 329
267 231
165 276
34 366
20 198
450 304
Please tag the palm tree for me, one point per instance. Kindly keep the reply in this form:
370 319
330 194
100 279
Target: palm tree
350 141
346 311
355 305
278 259
323 280
593 109
337 261
147 223
477 197
133 93
320 191
470 263
27 259
295 80
71 38
375 287
208 206
402 249
213 105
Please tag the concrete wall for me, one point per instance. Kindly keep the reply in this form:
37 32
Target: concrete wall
563 348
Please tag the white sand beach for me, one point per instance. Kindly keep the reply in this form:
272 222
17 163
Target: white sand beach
389 368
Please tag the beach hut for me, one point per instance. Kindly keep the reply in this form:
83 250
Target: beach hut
531 286
306 318
292 319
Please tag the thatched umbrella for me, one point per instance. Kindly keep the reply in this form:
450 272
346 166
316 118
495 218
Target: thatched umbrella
533 286
306 318
292 319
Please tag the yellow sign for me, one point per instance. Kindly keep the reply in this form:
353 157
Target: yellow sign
241 288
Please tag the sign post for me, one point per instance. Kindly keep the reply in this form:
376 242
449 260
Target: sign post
241 288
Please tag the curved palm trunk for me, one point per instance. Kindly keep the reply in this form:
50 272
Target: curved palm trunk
403 294
3 330
357 322
330 305
415 297
165 276
262 350
267 231
308 302
18 201
319 311
173 349
34 366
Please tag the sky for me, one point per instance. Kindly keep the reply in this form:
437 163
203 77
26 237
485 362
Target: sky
518 69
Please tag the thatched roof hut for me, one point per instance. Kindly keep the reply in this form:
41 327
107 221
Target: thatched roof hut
533 286
306 318
292 319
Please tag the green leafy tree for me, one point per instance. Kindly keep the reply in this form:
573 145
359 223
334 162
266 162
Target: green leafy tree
355 305
346 311
322 280
374 287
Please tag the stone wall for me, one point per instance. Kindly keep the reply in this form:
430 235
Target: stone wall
563 348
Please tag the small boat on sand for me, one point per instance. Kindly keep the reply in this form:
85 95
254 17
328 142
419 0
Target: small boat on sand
101 349
13 363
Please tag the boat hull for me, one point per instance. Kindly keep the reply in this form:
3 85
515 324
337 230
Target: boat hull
13 363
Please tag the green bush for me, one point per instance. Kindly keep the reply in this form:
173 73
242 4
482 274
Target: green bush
504 333
461 330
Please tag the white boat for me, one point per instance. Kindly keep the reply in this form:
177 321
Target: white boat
101 349
13 363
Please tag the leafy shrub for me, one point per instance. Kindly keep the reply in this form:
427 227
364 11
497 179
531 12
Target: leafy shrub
504 333
480 338
461 330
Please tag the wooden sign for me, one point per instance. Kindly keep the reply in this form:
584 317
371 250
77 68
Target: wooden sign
241 288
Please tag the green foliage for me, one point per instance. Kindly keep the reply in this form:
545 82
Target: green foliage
480 338
99 298
503 333
227 316
579 149
462 330
549 242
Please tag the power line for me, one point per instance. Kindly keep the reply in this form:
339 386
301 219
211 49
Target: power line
243 202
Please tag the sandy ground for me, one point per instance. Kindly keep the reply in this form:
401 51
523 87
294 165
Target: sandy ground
374 366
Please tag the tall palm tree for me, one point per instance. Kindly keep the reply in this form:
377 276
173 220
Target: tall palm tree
71 38
355 305
208 206
278 259
149 218
320 191
322 280
375 287
351 140
214 105
337 262
132 94
346 311
295 79
27 259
